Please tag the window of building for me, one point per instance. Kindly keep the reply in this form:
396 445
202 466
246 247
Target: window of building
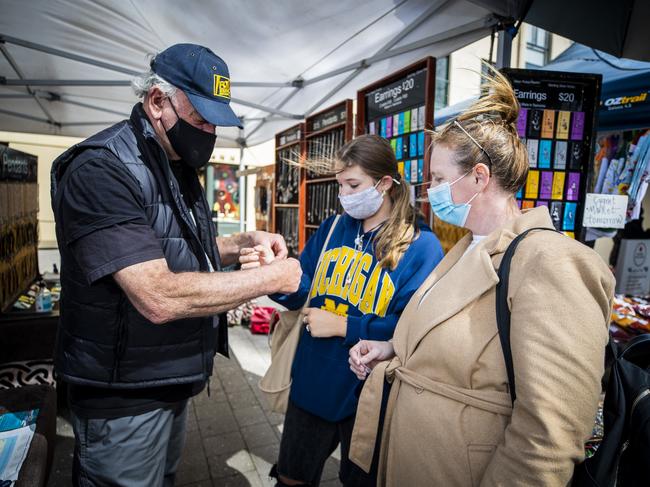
537 47
442 82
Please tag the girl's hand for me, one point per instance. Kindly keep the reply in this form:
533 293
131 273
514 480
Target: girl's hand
323 324
250 258
368 353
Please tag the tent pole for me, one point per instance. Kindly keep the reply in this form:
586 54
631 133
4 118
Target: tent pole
106 123
242 191
437 5
383 49
28 117
427 41
364 63
89 106
53 97
333 91
255 84
123 82
18 71
264 108
280 105
259 119
504 48
64 54
63 82
477 25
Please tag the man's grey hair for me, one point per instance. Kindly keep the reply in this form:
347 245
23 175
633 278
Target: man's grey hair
142 83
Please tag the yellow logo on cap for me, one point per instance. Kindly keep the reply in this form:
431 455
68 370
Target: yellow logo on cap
221 86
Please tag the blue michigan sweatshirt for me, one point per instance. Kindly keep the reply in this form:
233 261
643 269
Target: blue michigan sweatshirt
322 382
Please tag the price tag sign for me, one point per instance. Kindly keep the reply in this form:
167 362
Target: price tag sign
605 211
403 94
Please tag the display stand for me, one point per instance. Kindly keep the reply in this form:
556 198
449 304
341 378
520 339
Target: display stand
18 224
400 108
288 204
557 122
326 132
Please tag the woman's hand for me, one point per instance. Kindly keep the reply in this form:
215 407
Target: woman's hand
368 353
250 258
271 241
323 324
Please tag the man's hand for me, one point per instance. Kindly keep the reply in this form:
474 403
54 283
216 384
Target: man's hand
230 247
273 241
288 273
251 258
323 324
368 353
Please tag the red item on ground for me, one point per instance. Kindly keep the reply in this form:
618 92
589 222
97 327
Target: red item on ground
261 319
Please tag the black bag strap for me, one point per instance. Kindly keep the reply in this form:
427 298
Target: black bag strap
502 309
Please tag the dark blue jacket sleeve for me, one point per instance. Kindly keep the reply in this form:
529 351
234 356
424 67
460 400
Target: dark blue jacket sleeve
419 261
308 262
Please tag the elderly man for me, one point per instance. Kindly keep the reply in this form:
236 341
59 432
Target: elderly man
140 274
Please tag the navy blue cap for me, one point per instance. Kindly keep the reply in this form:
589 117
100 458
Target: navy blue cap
203 77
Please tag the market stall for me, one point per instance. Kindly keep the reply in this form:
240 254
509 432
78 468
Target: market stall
621 167
398 107
28 325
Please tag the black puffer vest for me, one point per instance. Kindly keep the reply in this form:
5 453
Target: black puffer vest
103 340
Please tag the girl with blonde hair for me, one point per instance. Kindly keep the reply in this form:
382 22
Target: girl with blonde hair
378 255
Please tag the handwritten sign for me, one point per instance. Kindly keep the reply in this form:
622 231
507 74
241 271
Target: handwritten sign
605 211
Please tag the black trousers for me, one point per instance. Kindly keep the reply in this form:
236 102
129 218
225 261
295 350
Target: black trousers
308 441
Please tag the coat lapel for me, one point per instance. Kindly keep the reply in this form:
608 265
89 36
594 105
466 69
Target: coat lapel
411 309
447 263
465 282
461 279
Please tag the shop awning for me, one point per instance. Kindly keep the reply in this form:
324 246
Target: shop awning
65 66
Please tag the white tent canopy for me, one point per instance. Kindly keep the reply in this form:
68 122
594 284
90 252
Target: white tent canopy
65 65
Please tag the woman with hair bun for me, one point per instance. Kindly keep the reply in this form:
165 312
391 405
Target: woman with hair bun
450 419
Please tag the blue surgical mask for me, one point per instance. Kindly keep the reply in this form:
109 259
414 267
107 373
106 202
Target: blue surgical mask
444 207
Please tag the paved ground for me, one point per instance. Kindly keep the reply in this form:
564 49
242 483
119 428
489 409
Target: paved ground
233 437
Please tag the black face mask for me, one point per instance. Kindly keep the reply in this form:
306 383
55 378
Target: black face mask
193 145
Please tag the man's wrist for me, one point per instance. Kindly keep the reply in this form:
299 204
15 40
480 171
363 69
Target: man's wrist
242 240
269 278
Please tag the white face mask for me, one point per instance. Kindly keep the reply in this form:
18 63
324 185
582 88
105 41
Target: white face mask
363 204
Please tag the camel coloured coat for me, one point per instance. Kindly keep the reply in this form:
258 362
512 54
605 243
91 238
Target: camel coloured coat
449 420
